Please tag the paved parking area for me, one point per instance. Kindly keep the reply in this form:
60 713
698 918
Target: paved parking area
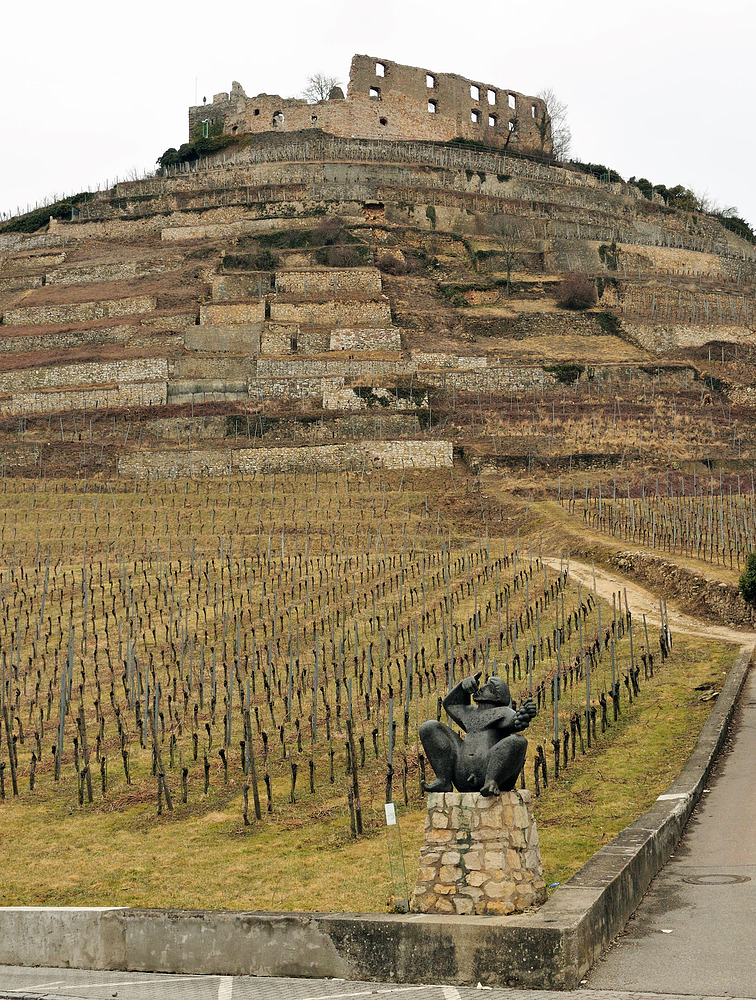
75 984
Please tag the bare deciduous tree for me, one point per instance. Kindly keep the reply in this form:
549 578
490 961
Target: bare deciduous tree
506 232
319 86
553 122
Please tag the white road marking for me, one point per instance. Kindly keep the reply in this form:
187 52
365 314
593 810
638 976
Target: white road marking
225 988
41 986
451 993
126 982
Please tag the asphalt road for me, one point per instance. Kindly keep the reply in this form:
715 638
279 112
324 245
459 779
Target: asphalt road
695 931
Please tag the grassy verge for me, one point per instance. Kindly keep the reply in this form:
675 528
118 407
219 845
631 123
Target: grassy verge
60 854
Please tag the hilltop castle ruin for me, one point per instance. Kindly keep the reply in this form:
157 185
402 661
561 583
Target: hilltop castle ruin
386 100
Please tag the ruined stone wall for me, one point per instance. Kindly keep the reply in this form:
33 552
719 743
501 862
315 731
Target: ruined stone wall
388 100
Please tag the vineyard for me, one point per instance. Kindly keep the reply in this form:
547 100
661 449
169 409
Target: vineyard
267 647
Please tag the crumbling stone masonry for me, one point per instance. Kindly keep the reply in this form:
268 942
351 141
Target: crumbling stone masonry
387 100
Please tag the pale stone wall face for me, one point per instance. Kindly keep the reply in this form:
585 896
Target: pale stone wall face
119 396
81 312
389 100
86 374
227 313
242 338
364 454
480 855
364 281
334 313
365 340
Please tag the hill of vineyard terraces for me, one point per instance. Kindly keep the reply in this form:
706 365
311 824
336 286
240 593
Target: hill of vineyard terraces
311 301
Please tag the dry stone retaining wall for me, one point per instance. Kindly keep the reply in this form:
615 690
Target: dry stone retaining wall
144 370
82 312
72 338
227 313
720 601
242 338
366 454
365 339
364 281
117 396
332 314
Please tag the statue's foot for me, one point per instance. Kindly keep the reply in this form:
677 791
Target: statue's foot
438 786
490 788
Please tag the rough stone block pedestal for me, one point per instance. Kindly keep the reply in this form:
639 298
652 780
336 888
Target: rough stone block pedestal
480 855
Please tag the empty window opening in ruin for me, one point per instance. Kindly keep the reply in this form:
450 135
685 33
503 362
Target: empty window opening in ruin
512 124
512 100
293 343
314 119
475 116
430 81
492 121
257 111
375 93
432 107
534 111
278 118
234 128
474 92
380 69
383 121
492 97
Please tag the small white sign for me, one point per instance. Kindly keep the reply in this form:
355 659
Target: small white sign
390 814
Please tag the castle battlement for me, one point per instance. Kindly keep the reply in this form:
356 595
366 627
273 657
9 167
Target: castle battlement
387 100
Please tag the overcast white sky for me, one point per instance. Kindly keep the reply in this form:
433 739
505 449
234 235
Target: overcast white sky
656 88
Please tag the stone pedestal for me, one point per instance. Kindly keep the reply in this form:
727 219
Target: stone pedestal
480 855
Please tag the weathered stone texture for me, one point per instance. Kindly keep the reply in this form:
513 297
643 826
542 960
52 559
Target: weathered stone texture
116 396
21 282
227 313
365 339
71 338
81 312
242 338
480 855
86 374
389 100
336 313
364 281
357 455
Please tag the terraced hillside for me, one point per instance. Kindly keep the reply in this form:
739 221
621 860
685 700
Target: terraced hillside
315 302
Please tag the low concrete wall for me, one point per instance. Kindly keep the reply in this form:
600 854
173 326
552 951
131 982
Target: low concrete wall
551 948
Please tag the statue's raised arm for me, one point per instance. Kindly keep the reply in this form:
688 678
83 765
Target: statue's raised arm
492 755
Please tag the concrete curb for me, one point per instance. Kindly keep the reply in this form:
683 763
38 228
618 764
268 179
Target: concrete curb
552 948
